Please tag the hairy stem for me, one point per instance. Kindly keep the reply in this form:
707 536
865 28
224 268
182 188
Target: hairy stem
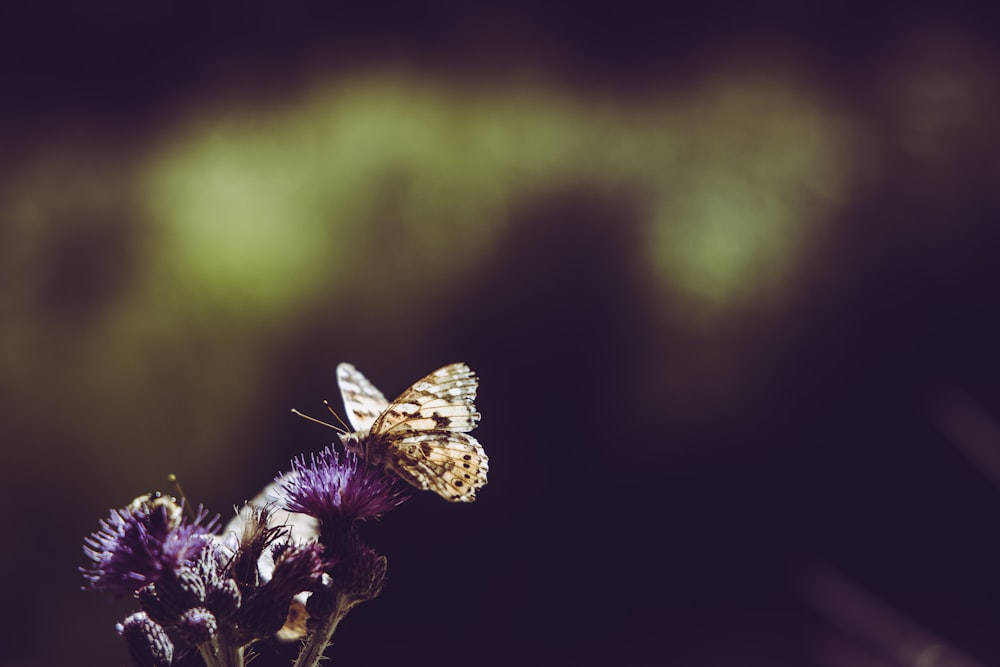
221 654
230 655
314 647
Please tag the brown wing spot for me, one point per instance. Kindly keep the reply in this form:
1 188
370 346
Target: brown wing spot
465 465
459 482
441 422
426 448
467 457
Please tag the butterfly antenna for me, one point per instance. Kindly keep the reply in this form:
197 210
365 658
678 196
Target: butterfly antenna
172 478
347 429
319 421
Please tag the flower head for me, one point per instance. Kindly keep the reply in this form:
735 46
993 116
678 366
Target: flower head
148 643
337 489
297 568
137 545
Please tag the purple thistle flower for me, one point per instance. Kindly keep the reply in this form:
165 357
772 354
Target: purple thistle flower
339 489
139 544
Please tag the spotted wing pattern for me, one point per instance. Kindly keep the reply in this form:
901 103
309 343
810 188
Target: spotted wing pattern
423 435
452 465
443 400
363 401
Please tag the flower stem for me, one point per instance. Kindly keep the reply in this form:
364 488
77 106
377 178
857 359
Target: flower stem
230 655
312 652
207 651
221 654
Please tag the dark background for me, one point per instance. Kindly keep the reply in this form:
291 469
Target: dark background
787 465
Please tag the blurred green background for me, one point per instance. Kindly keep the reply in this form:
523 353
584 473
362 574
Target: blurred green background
712 266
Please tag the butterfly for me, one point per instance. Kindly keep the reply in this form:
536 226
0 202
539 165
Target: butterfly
422 436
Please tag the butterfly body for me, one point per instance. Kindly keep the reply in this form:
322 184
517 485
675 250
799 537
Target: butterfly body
422 436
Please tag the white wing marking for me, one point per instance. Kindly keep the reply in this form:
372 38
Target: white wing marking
364 403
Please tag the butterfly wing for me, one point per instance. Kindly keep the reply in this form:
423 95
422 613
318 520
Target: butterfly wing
364 403
444 400
425 433
302 528
452 464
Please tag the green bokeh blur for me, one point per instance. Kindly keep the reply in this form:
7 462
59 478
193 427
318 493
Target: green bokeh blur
168 273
